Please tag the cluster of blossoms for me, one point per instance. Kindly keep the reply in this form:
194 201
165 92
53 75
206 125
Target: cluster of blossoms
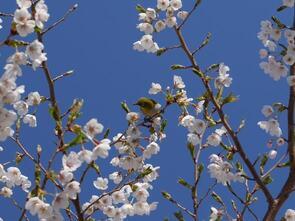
276 66
222 171
25 22
119 202
10 178
125 199
223 79
272 127
10 93
151 22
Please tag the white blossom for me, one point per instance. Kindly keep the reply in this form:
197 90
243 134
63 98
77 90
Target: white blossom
60 201
272 154
6 192
162 4
160 26
132 117
21 107
171 21
155 88
85 156
65 176
92 128
221 170
116 177
176 4
271 126
24 3
72 189
151 149
182 15
24 24
290 215
289 3
71 162
223 79
102 149
101 183
34 98
147 28
41 14
267 110
147 41
178 82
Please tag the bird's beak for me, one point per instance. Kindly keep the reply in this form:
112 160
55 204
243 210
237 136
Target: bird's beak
135 103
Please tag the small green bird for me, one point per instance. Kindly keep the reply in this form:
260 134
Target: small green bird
148 106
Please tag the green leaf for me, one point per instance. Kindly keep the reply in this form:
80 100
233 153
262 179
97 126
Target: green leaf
191 149
239 166
200 168
16 43
216 197
140 9
263 163
107 133
229 99
179 216
198 72
163 125
213 67
267 180
230 155
184 183
280 107
234 205
79 139
281 8
146 172
166 195
53 113
161 51
286 164
95 167
225 147
125 107
177 67
278 22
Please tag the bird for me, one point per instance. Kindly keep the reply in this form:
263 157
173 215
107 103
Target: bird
148 106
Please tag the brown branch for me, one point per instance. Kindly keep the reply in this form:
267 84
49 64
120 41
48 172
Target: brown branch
289 185
224 121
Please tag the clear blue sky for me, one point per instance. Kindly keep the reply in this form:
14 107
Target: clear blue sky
96 41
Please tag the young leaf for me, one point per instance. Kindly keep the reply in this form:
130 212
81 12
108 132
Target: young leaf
184 183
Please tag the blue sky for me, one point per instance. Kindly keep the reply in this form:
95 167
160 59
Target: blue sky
96 42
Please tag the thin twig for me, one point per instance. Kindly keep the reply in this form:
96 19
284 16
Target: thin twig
3 14
66 74
72 9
